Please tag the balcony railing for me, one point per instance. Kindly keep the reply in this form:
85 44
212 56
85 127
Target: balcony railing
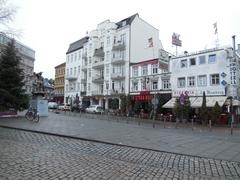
119 45
83 79
97 92
118 60
83 93
117 75
99 52
116 92
71 77
97 79
98 64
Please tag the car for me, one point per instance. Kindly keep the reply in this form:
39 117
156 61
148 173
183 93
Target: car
95 109
52 105
64 107
78 108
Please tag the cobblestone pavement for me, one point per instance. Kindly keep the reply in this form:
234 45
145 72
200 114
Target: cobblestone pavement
27 155
215 144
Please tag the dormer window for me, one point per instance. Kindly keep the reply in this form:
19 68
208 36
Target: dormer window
124 23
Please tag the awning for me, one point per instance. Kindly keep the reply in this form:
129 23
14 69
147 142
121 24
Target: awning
210 101
196 102
171 102
235 102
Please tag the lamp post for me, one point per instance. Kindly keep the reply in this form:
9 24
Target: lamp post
107 87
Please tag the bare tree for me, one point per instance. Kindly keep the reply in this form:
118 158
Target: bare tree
7 14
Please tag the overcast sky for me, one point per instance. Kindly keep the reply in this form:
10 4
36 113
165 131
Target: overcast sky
49 26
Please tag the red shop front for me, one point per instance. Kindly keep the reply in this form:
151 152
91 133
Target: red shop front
143 96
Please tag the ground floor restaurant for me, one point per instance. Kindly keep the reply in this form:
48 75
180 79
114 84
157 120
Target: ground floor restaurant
223 101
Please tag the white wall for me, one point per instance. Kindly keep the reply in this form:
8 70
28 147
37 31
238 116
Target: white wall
220 66
140 33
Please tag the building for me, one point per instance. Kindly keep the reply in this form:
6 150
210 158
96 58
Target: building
98 65
149 78
213 71
59 83
27 60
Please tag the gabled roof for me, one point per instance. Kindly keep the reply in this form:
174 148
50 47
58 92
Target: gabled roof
128 20
77 45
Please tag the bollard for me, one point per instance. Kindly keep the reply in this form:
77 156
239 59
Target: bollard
192 124
176 123
164 121
210 124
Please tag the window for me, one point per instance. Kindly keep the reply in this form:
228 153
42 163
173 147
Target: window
67 72
79 70
67 87
214 79
191 81
89 86
108 41
107 69
90 47
192 61
75 70
144 70
123 38
202 80
165 84
71 58
75 57
135 71
113 85
184 63
78 86
155 85
212 58
181 82
70 71
135 86
107 56
89 72
155 68
90 60
202 60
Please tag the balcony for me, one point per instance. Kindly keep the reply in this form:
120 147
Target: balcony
116 92
84 56
118 46
84 67
97 92
83 93
97 79
84 79
117 75
118 60
71 77
98 64
99 52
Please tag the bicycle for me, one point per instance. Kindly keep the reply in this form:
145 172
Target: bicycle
32 115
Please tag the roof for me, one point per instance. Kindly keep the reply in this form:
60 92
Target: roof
62 64
128 20
77 45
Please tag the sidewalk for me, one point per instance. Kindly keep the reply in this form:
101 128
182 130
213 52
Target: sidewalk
217 144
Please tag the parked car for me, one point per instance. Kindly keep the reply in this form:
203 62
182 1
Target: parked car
78 108
64 107
95 109
52 105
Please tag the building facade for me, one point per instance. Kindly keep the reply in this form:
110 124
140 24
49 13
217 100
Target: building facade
213 71
27 60
59 83
98 65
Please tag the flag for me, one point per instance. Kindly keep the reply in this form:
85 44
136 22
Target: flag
215 28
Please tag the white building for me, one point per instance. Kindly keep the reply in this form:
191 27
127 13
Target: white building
98 66
150 77
213 71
